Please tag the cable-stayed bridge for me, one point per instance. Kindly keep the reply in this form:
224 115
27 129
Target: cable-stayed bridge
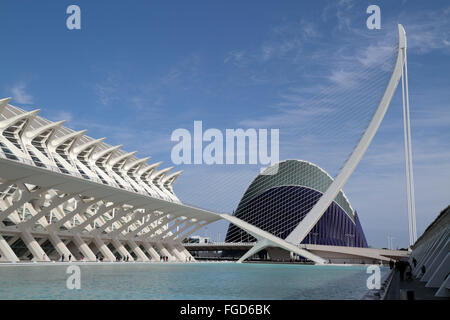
66 194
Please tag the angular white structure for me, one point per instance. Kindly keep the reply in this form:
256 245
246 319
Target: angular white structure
64 193
302 230
430 257
312 217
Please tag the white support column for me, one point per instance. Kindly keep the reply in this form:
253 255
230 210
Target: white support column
59 246
118 233
151 251
411 173
107 254
84 248
164 251
174 252
181 248
180 251
273 240
259 245
6 251
139 253
121 249
34 247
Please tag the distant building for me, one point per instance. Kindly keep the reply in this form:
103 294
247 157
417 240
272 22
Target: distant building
197 239
277 202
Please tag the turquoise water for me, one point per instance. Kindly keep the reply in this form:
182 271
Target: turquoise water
186 281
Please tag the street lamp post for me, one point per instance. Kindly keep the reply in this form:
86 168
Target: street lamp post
390 242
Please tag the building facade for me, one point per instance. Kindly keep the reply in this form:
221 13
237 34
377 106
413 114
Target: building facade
279 198
64 194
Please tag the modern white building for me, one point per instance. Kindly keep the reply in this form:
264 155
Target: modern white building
63 193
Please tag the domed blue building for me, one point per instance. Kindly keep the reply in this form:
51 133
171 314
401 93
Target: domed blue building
281 196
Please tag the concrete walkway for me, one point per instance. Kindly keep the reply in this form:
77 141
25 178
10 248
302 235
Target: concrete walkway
420 291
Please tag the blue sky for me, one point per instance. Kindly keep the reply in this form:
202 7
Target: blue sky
138 70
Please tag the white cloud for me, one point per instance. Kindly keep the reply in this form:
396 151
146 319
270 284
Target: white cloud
375 55
20 95
343 78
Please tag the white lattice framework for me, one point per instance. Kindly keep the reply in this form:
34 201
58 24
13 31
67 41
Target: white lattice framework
63 193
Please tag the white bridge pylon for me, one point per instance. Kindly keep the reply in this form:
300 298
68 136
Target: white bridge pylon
266 239
305 226
98 203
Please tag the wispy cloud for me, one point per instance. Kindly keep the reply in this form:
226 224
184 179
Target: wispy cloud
343 78
429 30
107 90
235 56
20 95
152 91
285 40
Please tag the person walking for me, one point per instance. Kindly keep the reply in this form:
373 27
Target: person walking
70 257
62 257
408 271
